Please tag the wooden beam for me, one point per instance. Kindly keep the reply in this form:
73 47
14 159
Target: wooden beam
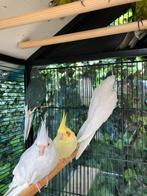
100 32
73 8
88 21
32 190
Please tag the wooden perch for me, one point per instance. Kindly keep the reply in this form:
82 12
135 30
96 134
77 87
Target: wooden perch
105 31
32 190
69 9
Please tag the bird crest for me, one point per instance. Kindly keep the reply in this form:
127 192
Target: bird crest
62 126
42 136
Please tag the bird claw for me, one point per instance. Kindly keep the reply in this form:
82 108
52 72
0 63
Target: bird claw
139 21
82 2
38 187
62 161
65 160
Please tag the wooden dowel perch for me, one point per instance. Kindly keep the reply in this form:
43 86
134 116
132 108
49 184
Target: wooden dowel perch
112 30
69 9
32 189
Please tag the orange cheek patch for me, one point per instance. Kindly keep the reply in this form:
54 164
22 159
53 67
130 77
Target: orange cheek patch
68 133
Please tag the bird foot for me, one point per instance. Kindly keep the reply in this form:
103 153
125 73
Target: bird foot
46 178
38 187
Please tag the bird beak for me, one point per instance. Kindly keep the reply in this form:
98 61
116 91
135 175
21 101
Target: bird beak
61 136
41 150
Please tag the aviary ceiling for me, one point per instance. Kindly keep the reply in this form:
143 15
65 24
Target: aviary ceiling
10 37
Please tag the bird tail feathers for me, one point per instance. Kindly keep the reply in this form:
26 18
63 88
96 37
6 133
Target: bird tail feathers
15 191
9 191
99 117
102 104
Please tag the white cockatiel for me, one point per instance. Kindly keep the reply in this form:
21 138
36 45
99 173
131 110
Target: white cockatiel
35 163
28 121
102 104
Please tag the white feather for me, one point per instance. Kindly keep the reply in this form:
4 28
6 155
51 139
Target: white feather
15 191
32 167
103 102
83 145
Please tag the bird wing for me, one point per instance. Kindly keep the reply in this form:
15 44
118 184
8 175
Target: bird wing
44 165
21 172
82 129
103 102
100 115
100 93
24 165
16 191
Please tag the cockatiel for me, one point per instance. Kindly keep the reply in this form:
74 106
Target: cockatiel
35 163
102 103
65 141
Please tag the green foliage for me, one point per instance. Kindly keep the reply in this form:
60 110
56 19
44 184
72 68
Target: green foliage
100 188
119 149
129 174
140 10
124 18
11 124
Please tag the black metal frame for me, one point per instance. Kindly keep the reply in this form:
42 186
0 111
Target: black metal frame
10 59
27 75
124 53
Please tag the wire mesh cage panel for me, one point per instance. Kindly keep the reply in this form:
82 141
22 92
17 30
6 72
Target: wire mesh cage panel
11 120
115 161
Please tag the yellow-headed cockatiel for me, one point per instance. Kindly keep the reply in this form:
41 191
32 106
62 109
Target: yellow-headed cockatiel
102 104
65 141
